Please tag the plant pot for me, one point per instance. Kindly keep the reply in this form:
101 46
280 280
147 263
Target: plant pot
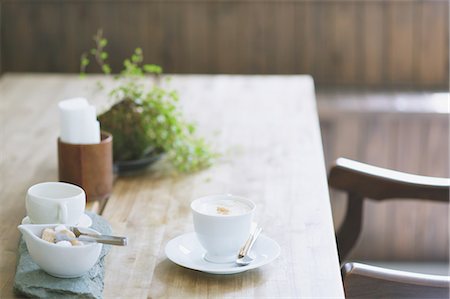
132 167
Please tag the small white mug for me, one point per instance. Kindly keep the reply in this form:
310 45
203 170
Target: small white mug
55 202
221 235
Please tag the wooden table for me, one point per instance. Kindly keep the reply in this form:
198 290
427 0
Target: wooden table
267 130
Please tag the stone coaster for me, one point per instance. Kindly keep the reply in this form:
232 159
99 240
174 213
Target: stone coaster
31 281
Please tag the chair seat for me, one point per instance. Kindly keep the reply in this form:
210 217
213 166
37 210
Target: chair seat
434 268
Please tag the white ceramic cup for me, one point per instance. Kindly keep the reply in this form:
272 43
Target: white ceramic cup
221 235
55 202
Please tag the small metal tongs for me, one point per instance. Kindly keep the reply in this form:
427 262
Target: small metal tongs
243 257
90 237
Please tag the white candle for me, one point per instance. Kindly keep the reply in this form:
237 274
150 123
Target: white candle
79 123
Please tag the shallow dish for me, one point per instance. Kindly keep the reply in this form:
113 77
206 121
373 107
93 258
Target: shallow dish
63 262
186 251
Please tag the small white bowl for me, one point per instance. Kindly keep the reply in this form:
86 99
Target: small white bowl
56 260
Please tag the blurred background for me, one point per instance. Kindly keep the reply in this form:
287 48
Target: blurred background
381 70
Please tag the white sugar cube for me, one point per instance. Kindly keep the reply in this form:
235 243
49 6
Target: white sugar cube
66 233
60 228
48 235
76 242
64 244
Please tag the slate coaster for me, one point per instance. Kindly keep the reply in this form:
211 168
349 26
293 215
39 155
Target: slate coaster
31 281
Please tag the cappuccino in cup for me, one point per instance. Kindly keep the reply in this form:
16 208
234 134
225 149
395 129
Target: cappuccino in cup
224 206
222 225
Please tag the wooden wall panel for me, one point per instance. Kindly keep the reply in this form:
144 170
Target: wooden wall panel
345 55
379 43
305 51
224 25
323 33
174 36
432 52
253 55
400 17
283 31
197 16
152 46
373 41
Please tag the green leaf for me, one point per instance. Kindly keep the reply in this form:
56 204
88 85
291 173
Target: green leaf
152 69
191 128
104 55
103 42
84 61
106 69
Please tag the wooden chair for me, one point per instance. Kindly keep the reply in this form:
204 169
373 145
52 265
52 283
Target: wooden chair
362 182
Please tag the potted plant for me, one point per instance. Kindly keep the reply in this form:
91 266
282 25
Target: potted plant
145 119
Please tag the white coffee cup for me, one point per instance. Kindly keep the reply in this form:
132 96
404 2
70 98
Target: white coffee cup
222 225
55 202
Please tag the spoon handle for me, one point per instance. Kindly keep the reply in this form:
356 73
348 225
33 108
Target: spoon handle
104 239
249 244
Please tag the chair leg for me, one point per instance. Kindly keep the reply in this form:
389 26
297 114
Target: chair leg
350 229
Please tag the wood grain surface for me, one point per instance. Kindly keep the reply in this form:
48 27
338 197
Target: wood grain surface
267 131
379 43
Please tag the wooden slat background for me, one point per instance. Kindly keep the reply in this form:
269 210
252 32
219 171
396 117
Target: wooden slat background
371 43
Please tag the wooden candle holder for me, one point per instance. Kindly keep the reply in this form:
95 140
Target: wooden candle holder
89 166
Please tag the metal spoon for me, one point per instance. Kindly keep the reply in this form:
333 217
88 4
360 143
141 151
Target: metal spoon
89 237
244 258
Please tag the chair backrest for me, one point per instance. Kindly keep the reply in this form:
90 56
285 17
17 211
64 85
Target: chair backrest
364 281
362 181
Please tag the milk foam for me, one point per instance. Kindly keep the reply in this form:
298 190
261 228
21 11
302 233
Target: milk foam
224 207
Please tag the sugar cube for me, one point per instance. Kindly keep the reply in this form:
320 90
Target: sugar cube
60 228
76 242
48 235
64 243
66 233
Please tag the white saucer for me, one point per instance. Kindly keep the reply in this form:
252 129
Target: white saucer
186 251
85 221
